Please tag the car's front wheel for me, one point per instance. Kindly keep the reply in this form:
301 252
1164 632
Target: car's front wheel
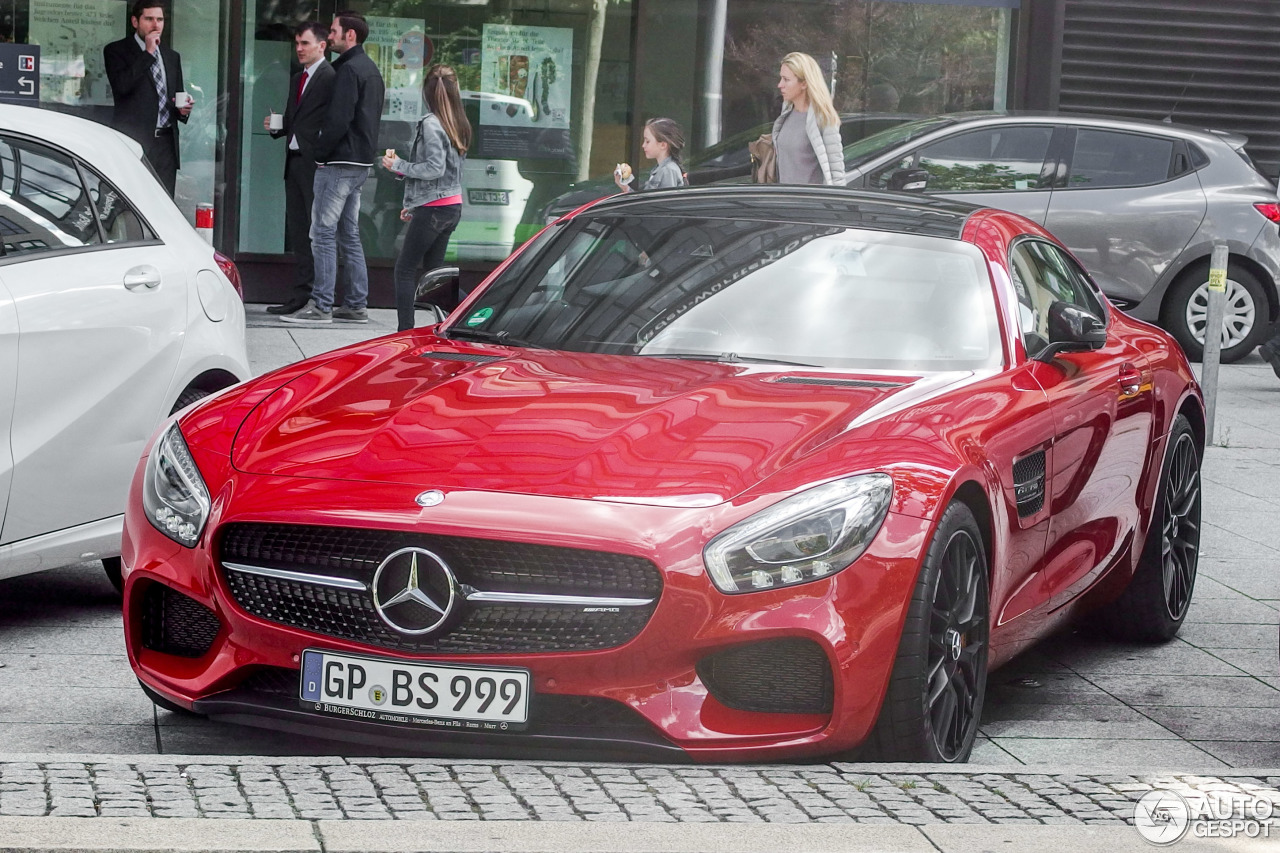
1155 603
1244 313
933 705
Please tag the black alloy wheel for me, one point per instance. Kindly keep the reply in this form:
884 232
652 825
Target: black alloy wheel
957 648
1180 527
1153 607
933 704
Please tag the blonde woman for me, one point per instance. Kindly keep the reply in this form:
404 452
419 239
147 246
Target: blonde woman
806 137
433 184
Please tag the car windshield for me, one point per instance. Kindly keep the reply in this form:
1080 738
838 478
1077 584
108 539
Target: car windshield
865 150
742 290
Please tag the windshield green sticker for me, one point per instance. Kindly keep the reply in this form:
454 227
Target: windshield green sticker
479 317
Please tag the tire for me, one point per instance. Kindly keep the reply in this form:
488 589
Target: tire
164 704
933 704
1246 312
187 397
112 567
1154 605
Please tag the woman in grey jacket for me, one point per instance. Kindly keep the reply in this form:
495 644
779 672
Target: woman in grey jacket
806 137
433 185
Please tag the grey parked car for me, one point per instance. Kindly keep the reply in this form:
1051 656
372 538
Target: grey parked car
1140 204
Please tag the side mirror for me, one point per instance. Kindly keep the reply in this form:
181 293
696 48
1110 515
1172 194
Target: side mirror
432 282
909 180
1072 329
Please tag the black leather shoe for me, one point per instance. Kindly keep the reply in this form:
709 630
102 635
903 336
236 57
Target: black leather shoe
1270 353
287 308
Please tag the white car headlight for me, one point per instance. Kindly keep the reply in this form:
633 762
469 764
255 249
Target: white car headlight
804 538
173 494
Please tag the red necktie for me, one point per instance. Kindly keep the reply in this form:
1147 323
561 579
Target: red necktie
302 84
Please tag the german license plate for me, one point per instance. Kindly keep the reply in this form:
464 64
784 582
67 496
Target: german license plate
476 698
489 196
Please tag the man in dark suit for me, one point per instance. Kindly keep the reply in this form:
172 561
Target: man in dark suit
145 77
309 91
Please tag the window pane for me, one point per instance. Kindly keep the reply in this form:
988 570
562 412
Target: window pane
734 289
1106 159
42 202
120 221
1006 158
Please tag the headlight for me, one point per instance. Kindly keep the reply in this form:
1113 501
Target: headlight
804 538
173 494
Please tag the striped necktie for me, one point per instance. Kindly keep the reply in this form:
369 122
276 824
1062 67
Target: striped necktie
163 116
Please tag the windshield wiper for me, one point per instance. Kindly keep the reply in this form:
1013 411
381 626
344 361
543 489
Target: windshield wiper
500 337
727 358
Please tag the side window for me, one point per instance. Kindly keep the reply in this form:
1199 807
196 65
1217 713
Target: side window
993 159
1104 158
120 222
1043 275
44 205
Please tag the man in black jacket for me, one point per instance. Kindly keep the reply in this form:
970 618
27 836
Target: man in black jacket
344 155
309 92
145 77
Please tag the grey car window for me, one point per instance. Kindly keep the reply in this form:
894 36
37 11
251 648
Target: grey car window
995 159
43 205
1103 158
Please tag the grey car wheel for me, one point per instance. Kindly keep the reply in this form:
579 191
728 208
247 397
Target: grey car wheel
1244 317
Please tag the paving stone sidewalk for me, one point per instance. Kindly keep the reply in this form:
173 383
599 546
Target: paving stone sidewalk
381 789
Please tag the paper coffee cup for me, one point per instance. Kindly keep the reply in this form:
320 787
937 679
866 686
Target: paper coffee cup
182 99
277 121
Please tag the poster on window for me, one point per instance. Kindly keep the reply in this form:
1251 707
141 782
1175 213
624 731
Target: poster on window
524 92
71 34
400 49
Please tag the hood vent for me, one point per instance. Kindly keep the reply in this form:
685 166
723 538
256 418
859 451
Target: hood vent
837 383
469 357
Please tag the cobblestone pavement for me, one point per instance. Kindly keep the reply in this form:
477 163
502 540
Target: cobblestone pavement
337 789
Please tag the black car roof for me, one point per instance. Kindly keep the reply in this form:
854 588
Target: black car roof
878 211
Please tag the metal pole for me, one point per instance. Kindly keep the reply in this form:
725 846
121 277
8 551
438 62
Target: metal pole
1213 335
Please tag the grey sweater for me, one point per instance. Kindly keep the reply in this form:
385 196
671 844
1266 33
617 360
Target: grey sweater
827 147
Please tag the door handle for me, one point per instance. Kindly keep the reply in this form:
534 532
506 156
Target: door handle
1130 380
143 276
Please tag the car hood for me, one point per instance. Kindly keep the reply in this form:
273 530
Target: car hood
644 430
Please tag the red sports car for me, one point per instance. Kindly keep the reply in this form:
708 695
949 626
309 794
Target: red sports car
742 473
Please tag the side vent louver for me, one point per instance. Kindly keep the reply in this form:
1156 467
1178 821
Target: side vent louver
1028 483
835 382
471 358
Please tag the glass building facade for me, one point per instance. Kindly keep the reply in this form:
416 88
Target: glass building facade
557 91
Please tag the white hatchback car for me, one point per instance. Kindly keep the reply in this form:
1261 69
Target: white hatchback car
113 314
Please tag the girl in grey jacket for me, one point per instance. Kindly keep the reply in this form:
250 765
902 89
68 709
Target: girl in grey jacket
662 142
806 137
433 185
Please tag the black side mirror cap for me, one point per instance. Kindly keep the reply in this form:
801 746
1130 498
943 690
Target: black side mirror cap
432 282
1072 329
909 180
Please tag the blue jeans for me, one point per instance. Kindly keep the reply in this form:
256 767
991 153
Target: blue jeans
335 223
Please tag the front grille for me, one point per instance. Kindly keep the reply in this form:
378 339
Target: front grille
487 565
175 624
546 710
788 676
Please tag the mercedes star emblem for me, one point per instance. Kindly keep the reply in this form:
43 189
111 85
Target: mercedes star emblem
414 591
